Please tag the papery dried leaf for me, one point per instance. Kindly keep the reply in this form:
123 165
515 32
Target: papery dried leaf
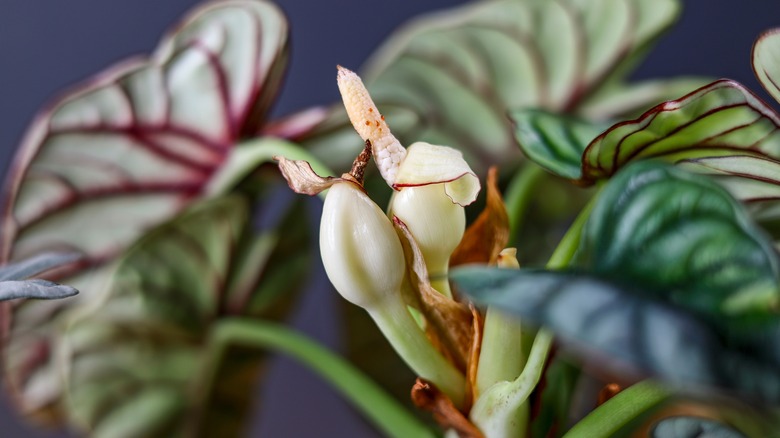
428 398
302 178
489 234
477 325
450 320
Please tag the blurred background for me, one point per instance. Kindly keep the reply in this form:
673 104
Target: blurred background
46 47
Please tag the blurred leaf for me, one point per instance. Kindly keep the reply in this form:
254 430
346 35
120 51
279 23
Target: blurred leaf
13 284
671 278
553 141
554 402
248 156
766 61
38 289
706 129
692 427
36 265
168 292
126 151
492 56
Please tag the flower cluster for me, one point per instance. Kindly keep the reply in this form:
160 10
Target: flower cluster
395 265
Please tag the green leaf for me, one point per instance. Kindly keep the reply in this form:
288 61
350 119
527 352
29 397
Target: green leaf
249 155
685 240
368 398
553 141
126 151
670 278
620 410
450 77
692 427
766 61
709 126
168 292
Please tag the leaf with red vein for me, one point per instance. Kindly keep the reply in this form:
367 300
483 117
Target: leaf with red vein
451 77
722 119
766 61
130 149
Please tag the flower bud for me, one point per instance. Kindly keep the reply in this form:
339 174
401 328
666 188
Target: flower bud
360 249
436 223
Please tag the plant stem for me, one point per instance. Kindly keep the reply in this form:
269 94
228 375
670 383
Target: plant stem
609 418
387 414
566 248
410 342
499 411
518 195
501 358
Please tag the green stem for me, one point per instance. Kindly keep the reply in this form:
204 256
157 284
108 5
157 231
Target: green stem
566 248
247 156
501 358
383 411
609 418
409 341
502 411
518 195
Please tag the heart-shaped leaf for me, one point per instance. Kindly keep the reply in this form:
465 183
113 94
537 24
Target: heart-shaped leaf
450 78
555 142
684 239
670 277
168 292
722 119
766 61
126 151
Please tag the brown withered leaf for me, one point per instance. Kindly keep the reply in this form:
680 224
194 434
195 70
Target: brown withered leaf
302 178
489 234
428 398
450 320
477 324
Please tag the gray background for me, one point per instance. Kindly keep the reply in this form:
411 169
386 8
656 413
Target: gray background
48 45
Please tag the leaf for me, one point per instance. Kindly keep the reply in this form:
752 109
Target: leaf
720 120
127 151
671 278
684 240
692 427
167 293
766 61
38 289
449 78
553 141
488 235
35 265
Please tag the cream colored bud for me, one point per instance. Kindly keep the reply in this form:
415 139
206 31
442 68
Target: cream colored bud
436 223
360 249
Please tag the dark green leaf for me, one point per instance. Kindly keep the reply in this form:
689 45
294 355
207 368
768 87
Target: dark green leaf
720 129
38 289
671 278
692 427
684 239
553 141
